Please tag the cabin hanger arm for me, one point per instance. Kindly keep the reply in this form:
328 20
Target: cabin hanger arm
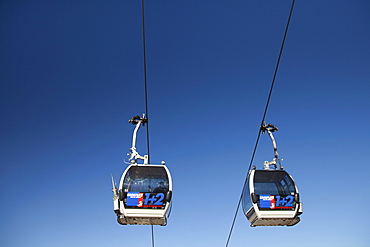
134 155
270 129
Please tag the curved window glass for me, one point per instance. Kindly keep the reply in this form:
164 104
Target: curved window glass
275 189
146 187
146 179
247 202
273 182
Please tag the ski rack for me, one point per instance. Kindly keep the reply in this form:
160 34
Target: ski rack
270 129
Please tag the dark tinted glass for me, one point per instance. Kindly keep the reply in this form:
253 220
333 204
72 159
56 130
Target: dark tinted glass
146 179
273 183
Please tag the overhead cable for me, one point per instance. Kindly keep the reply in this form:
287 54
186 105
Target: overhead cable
262 121
146 94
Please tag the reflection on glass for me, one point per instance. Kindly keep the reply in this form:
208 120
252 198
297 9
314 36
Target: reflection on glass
273 183
146 179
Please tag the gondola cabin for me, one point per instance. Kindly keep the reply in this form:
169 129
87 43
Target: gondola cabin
144 195
271 198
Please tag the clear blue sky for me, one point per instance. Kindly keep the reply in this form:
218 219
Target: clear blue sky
71 76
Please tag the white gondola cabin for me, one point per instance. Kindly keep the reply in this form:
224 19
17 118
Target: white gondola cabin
144 193
270 196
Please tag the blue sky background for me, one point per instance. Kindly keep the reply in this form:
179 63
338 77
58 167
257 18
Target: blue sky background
71 76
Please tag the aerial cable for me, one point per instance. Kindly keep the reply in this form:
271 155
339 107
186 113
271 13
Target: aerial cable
146 93
145 81
152 236
263 119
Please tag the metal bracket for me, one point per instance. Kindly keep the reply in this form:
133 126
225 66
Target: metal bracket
134 155
270 129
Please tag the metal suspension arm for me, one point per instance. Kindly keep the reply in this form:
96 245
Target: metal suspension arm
271 128
134 155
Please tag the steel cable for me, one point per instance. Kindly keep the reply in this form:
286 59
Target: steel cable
263 120
146 93
145 80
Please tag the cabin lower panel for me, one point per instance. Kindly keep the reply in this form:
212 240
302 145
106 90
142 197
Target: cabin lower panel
142 217
272 218
275 221
142 220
